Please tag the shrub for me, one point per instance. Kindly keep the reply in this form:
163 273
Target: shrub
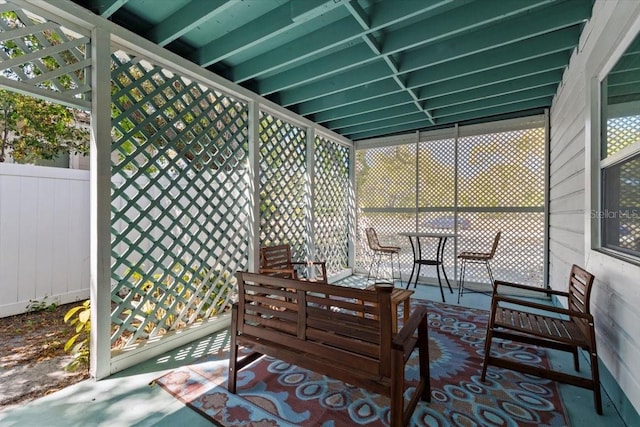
78 345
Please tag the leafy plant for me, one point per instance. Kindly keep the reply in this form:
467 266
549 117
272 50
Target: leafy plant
78 345
33 129
35 305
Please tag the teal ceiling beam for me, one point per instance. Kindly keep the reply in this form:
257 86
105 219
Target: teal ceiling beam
348 97
497 101
460 20
349 58
106 8
452 28
305 10
547 79
505 33
343 32
495 111
191 16
456 50
556 61
628 76
373 72
372 117
362 109
418 123
461 107
250 35
266 27
317 43
359 14
368 105
627 62
624 89
558 41
388 13
389 122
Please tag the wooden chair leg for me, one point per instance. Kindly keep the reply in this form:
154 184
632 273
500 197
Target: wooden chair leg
487 343
595 376
233 352
576 359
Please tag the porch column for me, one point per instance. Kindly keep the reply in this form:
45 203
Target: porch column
100 201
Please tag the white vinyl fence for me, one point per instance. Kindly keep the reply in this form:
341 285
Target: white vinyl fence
44 236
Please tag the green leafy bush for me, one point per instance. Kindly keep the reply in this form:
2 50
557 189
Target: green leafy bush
35 305
78 345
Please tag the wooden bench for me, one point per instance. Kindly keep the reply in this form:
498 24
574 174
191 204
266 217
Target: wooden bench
341 332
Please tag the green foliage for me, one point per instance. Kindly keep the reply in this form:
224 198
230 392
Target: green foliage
78 345
35 305
33 129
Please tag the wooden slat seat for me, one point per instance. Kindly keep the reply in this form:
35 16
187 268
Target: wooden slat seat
557 328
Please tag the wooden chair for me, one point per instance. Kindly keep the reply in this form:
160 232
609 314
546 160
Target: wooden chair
477 258
276 261
547 326
379 251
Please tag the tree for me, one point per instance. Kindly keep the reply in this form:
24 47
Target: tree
33 129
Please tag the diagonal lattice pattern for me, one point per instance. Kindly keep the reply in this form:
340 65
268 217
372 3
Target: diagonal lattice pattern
331 203
42 55
385 199
284 186
500 182
179 200
621 132
503 169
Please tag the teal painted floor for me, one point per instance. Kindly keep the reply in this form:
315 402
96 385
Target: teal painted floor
127 399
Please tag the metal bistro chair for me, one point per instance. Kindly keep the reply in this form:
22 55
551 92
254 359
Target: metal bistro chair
477 258
379 251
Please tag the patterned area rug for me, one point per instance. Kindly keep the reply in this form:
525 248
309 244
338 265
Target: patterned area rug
274 393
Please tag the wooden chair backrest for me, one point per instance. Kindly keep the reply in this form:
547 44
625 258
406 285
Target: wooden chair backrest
580 284
276 257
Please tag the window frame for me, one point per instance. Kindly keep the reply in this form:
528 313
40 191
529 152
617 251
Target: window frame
606 163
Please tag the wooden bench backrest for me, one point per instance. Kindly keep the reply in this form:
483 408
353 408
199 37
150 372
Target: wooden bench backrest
329 321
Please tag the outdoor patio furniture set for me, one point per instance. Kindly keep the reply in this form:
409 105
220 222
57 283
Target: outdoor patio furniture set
352 334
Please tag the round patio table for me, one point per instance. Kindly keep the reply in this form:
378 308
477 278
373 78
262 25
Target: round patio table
416 247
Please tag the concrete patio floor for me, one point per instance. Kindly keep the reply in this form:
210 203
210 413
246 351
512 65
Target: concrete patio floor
128 399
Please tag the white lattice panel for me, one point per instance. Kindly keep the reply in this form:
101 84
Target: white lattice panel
41 55
284 186
621 132
331 204
180 205
385 199
500 182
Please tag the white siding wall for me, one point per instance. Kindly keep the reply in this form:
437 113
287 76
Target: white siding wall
44 236
616 297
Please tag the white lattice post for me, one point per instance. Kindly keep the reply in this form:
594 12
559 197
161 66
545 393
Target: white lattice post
351 203
100 204
311 235
254 185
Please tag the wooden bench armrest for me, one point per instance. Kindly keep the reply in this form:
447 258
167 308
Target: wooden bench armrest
405 338
543 307
499 283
